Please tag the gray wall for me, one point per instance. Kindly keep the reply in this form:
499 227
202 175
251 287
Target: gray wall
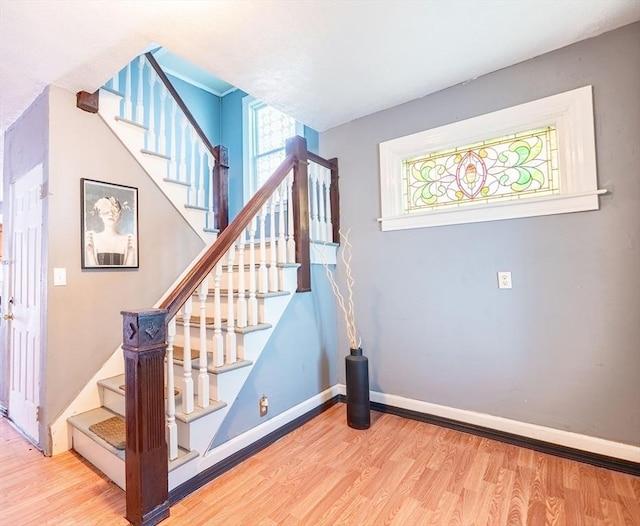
84 325
562 348
298 362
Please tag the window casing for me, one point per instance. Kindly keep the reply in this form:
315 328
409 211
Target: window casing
533 159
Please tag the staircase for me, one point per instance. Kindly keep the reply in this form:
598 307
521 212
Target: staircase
222 311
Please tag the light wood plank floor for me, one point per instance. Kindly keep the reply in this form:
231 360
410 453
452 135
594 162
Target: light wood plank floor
399 472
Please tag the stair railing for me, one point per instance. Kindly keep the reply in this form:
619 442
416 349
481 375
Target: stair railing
270 232
150 100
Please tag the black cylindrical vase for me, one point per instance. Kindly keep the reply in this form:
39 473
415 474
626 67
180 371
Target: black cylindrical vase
357 374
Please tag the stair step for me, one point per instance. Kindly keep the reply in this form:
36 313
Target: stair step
84 422
178 357
195 322
116 384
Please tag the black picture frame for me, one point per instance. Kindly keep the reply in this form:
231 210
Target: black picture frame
109 225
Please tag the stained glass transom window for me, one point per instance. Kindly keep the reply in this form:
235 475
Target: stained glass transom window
271 129
506 168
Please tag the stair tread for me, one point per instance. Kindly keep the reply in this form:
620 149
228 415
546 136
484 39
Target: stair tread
195 322
83 421
178 354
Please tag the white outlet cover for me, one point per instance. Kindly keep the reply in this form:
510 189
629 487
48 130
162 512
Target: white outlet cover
504 280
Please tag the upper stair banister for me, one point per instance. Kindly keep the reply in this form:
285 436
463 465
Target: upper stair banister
218 185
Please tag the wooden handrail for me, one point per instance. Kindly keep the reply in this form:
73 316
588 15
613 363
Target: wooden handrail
174 93
206 264
327 163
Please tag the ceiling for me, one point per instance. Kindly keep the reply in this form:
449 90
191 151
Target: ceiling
324 62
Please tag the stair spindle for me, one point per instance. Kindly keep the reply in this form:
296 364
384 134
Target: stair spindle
313 200
139 117
218 343
230 340
172 428
187 396
252 303
263 283
291 242
201 174
128 95
328 236
203 377
173 163
282 239
162 137
273 251
210 163
322 192
193 174
151 131
182 172
242 293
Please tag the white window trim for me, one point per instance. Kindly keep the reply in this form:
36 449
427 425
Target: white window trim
249 176
572 115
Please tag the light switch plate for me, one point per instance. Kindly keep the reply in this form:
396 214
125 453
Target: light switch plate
59 277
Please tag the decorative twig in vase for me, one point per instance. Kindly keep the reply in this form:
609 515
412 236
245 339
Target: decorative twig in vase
356 365
346 306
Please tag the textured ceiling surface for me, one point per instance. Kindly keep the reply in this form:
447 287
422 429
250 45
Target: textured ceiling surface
325 62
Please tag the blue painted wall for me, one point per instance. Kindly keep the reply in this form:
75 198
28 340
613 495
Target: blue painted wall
232 138
298 362
205 107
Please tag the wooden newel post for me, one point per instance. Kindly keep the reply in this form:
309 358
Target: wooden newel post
300 194
220 181
144 346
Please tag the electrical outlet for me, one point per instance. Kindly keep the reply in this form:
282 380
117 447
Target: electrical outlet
504 280
264 405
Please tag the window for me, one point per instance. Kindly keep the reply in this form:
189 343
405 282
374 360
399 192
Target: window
266 130
534 159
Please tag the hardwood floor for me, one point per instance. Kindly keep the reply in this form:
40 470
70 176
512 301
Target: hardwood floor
399 472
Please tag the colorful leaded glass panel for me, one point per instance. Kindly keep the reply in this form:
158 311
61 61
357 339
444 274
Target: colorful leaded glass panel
507 168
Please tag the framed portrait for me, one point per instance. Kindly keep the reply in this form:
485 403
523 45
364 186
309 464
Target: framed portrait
109 225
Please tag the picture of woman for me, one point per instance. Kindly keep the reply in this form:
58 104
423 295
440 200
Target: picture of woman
109 225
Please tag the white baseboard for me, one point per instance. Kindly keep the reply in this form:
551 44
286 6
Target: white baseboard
253 435
586 443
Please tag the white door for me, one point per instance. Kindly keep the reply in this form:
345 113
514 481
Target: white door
22 307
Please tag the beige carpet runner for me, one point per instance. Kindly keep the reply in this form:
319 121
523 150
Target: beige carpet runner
112 430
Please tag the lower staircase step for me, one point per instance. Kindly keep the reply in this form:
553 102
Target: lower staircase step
112 430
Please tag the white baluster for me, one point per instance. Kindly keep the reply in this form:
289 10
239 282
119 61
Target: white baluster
203 377
327 194
263 280
242 293
252 303
322 225
218 344
187 395
291 242
128 95
151 107
203 174
193 193
182 172
173 163
282 240
273 250
172 428
139 118
313 201
162 135
230 341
